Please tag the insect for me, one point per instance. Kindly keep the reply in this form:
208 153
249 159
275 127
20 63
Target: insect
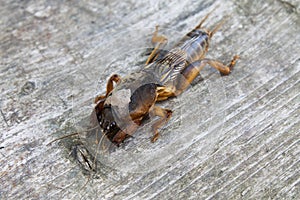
129 100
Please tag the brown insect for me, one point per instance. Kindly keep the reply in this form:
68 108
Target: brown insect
129 100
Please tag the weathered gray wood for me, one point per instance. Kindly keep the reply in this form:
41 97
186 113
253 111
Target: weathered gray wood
230 137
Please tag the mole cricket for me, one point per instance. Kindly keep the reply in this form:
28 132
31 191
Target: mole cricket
130 100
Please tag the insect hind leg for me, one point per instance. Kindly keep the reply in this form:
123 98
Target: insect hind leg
192 71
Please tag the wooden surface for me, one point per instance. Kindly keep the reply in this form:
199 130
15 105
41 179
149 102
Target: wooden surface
233 137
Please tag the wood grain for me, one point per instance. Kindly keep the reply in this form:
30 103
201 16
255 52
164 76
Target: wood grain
230 137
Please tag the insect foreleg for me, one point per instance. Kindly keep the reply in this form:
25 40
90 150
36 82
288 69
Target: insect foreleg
109 86
165 115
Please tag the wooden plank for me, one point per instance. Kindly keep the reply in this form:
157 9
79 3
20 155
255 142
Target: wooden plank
230 137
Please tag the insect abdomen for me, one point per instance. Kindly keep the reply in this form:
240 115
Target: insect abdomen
195 44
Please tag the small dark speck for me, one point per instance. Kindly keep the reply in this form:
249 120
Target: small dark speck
1 147
93 22
28 88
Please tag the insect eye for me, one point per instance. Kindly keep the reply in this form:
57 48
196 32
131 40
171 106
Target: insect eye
113 124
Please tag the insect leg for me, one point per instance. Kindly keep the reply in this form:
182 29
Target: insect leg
109 87
192 71
158 41
223 69
125 133
165 115
156 38
164 92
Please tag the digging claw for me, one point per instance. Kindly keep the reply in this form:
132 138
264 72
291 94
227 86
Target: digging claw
154 138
